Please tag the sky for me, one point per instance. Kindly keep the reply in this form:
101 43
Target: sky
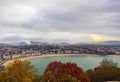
70 21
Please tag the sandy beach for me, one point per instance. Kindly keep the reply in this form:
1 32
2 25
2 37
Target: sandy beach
40 56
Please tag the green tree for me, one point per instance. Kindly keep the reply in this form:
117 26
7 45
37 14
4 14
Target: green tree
18 71
108 63
90 72
107 71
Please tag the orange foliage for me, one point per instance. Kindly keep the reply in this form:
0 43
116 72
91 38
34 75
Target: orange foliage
60 69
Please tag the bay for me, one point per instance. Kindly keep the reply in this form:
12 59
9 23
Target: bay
84 61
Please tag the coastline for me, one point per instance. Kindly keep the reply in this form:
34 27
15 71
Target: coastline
6 63
40 56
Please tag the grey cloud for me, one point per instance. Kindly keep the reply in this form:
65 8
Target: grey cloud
15 37
113 6
78 16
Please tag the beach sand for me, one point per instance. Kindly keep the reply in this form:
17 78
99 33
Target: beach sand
40 56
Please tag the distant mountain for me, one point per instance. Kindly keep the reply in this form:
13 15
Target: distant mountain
116 43
5 44
2 44
22 43
110 43
38 43
63 44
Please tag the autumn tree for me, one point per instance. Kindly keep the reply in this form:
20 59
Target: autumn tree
58 70
107 71
18 71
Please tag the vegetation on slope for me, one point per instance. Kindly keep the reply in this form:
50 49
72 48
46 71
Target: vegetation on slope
106 71
23 71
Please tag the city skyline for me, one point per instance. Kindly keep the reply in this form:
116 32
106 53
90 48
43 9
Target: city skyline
59 20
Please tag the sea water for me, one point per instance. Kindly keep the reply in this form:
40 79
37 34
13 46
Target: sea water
85 61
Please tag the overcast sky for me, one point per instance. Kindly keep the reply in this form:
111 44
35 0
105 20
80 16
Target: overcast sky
59 20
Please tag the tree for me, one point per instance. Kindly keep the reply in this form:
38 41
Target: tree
107 71
18 71
107 63
59 70
90 72
49 77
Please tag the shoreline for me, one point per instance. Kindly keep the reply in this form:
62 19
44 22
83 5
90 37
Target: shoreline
40 56
6 63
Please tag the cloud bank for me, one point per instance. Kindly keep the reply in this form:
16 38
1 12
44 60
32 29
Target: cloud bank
59 20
